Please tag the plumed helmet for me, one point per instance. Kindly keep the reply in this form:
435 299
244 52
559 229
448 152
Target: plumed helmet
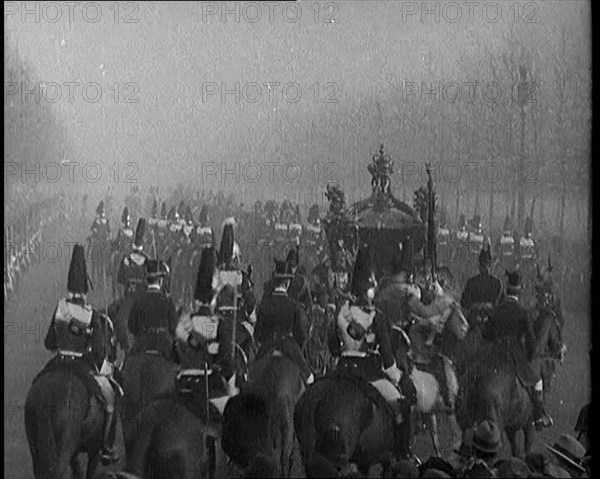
476 223
181 209
100 209
154 269
513 284
140 231
78 280
205 281
313 214
226 253
363 272
155 208
125 218
463 220
173 215
203 218
293 257
281 270
189 218
528 225
163 210
507 224
485 256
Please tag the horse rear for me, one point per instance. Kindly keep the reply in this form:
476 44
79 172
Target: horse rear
266 404
335 420
61 422
492 391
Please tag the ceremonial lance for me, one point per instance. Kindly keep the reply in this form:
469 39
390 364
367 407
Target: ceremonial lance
431 233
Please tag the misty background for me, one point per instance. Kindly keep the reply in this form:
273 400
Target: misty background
363 57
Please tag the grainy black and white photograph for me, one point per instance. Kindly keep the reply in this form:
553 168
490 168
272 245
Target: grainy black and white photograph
297 239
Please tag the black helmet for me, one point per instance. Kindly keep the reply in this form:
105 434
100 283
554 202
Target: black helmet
140 231
78 280
205 288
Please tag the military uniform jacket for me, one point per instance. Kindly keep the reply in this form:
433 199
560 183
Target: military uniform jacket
280 316
152 321
376 332
506 246
483 288
101 228
510 325
72 331
299 291
392 300
133 268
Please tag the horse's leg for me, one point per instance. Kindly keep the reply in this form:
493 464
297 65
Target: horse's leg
433 432
77 466
455 428
511 434
529 436
92 465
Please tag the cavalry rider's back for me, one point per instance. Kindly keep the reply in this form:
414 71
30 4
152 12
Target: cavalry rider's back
510 328
83 340
132 271
484 287
281 325
152 321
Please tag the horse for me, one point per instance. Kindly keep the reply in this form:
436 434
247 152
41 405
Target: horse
64 415
260 420
338 421
492 391
174 440
428 391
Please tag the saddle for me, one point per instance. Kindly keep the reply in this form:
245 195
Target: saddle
80 368
361 371
191 389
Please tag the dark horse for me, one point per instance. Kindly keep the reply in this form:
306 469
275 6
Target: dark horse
64 415
260 420
175 441
490 388
339 421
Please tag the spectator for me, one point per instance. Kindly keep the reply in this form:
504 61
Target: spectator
570 454
485 446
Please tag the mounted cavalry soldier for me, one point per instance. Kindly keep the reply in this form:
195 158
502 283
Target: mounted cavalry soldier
154 214
510 326
527 245
202 346
295 225
476 237
161 231
482 292
73 337
125 234
132 270
462 234
506 246
101 226
205 236
367 348
153 318
299 287
281 323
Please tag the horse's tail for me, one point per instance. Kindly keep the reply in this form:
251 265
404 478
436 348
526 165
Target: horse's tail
330 444
245 428
43 446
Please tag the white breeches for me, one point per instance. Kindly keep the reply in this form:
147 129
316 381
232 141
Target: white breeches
107 391
389 392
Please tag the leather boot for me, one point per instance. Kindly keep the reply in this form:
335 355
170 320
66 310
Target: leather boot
541 419
108 454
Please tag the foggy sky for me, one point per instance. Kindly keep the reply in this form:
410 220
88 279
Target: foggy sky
367 52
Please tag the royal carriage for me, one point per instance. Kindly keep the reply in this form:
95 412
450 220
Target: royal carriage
382 222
